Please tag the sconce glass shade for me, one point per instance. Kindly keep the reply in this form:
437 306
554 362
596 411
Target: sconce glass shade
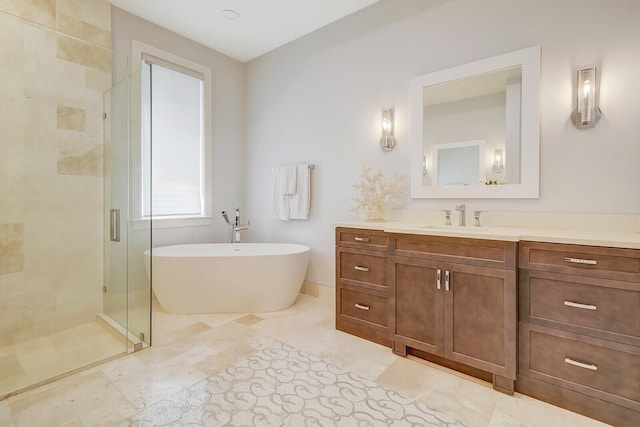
587 112
387 142
498 161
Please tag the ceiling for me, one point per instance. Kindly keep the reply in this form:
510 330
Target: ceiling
242 29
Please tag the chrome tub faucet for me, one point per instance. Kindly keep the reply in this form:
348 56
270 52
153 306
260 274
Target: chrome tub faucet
235 227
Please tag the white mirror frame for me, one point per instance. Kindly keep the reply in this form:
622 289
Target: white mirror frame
529 187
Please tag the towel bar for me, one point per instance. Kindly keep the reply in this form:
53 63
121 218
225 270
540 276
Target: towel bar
311 166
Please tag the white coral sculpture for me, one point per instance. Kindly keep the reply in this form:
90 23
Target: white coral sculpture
374 195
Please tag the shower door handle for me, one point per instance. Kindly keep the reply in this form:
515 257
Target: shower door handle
114 225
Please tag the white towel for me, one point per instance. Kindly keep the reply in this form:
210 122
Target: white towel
280 199
288 179
297 203
300 203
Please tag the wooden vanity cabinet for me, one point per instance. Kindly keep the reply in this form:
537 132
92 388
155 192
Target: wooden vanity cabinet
579 333
572 311
456 298
362 296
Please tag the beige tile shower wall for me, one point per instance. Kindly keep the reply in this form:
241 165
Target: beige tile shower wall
55 64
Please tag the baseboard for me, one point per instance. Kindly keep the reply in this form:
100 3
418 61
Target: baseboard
326 293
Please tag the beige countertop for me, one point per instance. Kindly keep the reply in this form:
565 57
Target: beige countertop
616 239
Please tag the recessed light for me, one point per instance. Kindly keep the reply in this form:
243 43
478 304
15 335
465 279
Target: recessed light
230 14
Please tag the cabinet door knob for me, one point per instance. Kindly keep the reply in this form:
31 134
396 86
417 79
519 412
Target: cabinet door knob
579 305
361 239
446 280
589 366
359 268
438 279
362 307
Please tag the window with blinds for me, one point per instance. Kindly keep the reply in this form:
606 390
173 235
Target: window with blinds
173 140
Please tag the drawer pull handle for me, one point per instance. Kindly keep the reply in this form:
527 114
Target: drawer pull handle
438 279
446 280
578 305
362 307
580 261
361 239
359 268
589 366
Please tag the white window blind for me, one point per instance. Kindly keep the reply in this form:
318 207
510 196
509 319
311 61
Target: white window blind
173 140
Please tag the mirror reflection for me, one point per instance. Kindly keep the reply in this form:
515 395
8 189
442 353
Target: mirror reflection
482 108
458 163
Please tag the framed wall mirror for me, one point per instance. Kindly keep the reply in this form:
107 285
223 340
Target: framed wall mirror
476 129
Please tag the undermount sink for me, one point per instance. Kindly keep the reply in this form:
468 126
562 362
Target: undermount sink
456 228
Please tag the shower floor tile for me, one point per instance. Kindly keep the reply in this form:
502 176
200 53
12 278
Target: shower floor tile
24 364
11 372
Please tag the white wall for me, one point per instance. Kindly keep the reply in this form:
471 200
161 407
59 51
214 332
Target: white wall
318 99
227 116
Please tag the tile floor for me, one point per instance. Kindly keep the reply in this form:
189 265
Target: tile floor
31 362
189 348
282 386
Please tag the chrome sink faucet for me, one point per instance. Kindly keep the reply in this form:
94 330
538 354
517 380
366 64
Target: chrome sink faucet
461 209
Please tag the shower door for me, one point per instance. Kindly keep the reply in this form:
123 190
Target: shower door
127 291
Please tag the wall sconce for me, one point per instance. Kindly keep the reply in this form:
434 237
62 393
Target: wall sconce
387 142
587 111
498 160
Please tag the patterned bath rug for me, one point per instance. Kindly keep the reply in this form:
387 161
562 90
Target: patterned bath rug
280 386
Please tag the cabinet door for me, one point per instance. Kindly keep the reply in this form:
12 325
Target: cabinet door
418 304
480 318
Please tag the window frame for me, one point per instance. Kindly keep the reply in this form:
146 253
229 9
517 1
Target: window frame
139 50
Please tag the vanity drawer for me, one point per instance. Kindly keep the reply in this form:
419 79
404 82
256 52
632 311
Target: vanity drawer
478 252
373 240
581 304
364 306
595 367
594 261
366 267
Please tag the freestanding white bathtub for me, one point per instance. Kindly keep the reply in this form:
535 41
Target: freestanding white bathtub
228 277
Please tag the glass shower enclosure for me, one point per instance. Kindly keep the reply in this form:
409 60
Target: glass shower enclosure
72 292
127 272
